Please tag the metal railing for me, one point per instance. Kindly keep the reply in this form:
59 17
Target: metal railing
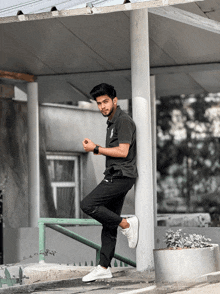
57 225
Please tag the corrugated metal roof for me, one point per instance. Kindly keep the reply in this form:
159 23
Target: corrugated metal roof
11 8
38 6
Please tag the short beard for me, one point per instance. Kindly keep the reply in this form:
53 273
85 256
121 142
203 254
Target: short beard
107 115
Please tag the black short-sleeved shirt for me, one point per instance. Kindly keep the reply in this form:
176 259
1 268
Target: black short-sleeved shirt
121 129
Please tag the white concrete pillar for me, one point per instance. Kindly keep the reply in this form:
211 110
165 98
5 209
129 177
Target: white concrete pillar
154 142
33 154
140 74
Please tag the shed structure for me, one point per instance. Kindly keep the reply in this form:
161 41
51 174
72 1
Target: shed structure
145 49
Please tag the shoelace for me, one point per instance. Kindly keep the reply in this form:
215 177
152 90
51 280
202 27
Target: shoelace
125 232
129 238
95 269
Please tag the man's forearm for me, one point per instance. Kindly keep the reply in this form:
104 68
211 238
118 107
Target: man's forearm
119 151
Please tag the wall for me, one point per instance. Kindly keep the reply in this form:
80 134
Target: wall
68 251
14 166
61 129
13 162
65 129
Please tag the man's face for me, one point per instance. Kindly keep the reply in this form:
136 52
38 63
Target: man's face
106 105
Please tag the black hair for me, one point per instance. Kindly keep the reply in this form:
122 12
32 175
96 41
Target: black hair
103 89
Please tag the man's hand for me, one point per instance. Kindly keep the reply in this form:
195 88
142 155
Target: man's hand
88 145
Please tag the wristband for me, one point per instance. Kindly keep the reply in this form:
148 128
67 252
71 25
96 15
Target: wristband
96 150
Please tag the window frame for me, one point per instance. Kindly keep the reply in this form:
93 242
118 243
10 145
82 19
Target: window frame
78 178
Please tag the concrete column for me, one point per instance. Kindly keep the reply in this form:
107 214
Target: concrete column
140 74
33 154
154 142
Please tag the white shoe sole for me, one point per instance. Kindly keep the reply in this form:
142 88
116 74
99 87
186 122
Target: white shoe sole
135 223
98 278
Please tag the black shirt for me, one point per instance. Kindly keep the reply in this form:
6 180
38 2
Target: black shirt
121 129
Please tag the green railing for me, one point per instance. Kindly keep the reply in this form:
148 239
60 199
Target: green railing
57 225
8 280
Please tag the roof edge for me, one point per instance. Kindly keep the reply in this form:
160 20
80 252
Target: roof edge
92 10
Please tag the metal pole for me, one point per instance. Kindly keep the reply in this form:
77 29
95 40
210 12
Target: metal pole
140 73
33 154
42 241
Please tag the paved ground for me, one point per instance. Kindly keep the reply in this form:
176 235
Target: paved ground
61 279
55 278
99 289
202 289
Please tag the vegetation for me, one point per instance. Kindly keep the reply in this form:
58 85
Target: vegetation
188 144
175 240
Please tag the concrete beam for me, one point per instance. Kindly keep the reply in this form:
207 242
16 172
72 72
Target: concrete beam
17 76
188 18
160 70
188 68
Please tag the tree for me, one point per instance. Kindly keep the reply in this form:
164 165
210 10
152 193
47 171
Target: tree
188 142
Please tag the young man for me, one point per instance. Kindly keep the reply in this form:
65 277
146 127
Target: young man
105 202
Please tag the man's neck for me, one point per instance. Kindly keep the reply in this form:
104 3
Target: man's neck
110 117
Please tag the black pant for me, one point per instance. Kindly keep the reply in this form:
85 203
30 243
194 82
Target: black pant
104 204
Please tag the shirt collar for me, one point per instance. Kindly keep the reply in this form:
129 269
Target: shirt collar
116 115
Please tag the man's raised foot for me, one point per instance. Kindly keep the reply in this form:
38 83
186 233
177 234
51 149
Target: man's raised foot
132 232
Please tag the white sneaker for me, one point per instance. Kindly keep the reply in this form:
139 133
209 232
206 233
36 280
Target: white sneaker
132 232
97 273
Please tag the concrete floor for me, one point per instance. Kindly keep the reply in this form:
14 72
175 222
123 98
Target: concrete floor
61 279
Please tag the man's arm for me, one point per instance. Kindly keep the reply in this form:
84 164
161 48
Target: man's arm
119 151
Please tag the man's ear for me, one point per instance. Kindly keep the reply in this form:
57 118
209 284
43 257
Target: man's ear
115 100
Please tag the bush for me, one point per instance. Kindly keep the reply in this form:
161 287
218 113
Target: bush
177 239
